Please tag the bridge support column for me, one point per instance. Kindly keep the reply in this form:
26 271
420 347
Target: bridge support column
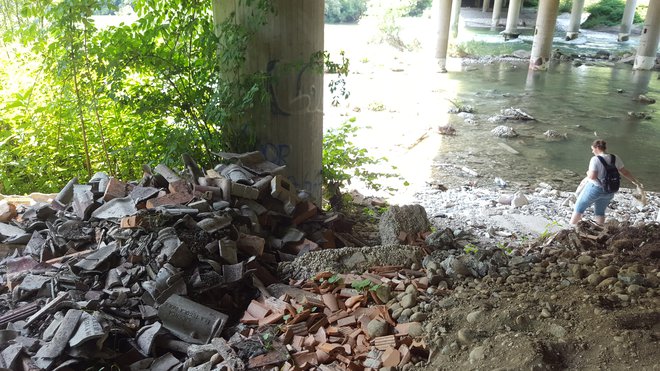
285 47
497 12
444 19
455 16
574 24
627 20
648 42
484 9
511 30
546 20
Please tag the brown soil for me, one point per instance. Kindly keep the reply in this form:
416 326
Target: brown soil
550 315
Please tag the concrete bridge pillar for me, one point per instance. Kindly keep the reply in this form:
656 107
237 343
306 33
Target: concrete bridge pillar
455 15
497 12
291 131
485 6
574 24
627 20
546 20
444 19
648 42
511 30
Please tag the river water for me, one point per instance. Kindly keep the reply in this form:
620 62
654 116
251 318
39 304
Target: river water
583 103
399 100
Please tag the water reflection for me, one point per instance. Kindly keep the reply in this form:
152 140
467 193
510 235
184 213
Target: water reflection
583 102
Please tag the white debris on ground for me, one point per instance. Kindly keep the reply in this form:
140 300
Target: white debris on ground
491 212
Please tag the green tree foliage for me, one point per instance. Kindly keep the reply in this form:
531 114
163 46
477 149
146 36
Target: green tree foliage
84 100
344 11
417 7
607 13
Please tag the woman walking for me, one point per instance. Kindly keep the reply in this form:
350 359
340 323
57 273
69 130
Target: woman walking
593 188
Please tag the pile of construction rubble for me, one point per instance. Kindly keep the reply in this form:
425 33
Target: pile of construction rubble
232 268
179 271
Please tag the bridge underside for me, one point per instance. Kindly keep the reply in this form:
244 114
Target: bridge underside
545 26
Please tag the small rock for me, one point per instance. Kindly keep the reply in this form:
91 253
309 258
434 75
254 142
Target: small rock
377 328
585 259
477 354
607 282
408 301
519 200
594 279
465 336
635 290
415 329
557 330
475 316
418 317
609 271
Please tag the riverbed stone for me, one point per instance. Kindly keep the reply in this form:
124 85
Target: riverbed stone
609 271
594 279
377 328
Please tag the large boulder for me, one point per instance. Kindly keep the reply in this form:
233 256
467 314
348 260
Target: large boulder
400 221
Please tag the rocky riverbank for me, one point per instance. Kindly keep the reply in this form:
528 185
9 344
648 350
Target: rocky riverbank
501 296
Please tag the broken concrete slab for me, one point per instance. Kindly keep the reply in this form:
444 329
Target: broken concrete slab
115 209
191 321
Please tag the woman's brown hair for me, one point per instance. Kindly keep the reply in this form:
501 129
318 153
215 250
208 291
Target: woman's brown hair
600 144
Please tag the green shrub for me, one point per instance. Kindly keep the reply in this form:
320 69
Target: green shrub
343 161
607 13
344 11
417 7
565 6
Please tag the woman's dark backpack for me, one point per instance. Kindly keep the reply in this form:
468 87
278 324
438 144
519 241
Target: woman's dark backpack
612 176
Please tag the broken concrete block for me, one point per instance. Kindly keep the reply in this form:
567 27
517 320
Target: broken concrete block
169 199
47 354
216 223
115 208
303 212
211 193
8 231
237 174
250 244
95 260
7 211
84 204
65 196
114 189
202 206
88 329
283 190
145 337
191 321
244 191
179 186
133 221
263 183
140 194
228 250
168 174
173 251
411 219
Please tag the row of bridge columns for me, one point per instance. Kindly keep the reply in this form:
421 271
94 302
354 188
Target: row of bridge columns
289 126
545 26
